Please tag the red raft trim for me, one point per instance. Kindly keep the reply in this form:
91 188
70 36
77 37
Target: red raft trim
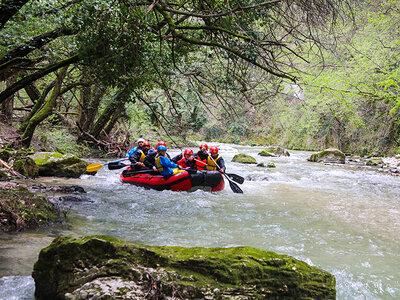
180 182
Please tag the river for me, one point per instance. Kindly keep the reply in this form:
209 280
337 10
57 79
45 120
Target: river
342 218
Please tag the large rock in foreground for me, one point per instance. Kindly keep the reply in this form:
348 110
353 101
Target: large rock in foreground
330 155
104 267
59 165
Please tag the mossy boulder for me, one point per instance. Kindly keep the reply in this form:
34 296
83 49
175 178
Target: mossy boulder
330 155
90 267
59 165
377 161
273 151
269 165
244 159
26 166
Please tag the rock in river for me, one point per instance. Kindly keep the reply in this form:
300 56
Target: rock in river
101 267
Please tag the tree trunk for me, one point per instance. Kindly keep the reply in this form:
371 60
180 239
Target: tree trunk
120 98
35 76
9 8
7 107
115 117
37 106
33 92
45 111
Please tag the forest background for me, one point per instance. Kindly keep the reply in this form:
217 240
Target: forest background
89 76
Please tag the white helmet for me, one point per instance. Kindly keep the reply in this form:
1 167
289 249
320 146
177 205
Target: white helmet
140 140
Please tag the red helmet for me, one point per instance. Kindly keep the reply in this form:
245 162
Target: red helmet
213 150
204 145
161 143
188 152
146 144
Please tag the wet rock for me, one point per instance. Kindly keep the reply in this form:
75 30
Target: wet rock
101 266
274 151
20 209
59 165
330 155
72 198
375 162
244 159
26 166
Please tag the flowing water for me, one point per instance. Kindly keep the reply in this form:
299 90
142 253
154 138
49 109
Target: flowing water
341 218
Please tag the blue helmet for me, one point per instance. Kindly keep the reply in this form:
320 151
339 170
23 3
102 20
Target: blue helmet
161 148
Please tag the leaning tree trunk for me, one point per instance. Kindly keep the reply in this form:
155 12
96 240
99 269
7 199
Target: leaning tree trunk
115 117
45 111
120 98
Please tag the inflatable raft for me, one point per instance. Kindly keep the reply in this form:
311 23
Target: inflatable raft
184 181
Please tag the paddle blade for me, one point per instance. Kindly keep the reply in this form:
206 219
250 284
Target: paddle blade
235 177
94 167
116 165
235 188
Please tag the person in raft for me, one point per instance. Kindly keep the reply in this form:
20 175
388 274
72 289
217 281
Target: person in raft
138 157
201 157
215 161
164 165
149 161
133 150
185 159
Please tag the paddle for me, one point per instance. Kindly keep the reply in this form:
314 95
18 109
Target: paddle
234 177
116 165
97 166
235 188
127 173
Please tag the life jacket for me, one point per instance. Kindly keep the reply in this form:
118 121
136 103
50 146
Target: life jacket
201 164
182 162
212 166
142 156
159 166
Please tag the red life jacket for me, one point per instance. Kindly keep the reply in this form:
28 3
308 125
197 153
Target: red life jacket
182 162
201 164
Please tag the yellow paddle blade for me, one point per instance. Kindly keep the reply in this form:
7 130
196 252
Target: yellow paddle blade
94 167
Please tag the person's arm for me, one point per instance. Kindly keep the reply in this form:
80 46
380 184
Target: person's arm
130 152
167 163
221 164
149 160
135 157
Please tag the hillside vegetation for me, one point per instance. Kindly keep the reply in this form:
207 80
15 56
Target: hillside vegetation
87 76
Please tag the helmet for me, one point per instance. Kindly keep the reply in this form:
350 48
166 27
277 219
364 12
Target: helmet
161 143
213 150
204 145
140 140
161 148
146 144
188 152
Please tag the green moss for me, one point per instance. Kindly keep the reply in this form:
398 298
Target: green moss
21 209
235 271
244 159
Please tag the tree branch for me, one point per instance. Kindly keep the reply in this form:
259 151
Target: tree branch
31 78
